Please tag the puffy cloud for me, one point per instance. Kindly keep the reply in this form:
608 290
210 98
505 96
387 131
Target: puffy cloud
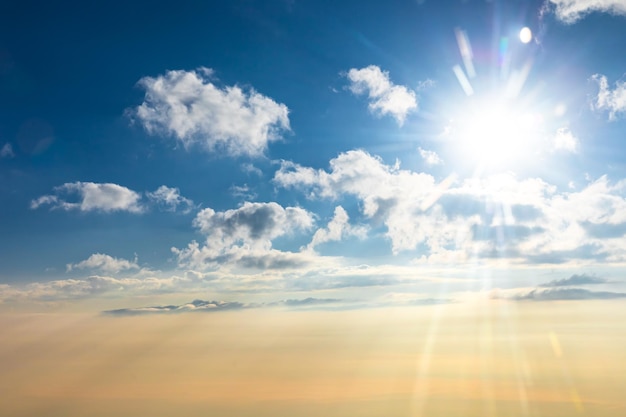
337 229
245 235
170 199
385 97
570 11
582 279
7 151
398 198
613 101
430 157
527 221
565 140
89 196
188 106
104 263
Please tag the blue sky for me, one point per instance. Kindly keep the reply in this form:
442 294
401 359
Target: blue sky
404 151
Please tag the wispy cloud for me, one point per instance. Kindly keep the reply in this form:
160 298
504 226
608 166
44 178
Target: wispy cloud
575 279
613 101
385 97
190 107
570 11
554 294
430 157
104 263
214 306
565 140
170 199
7 151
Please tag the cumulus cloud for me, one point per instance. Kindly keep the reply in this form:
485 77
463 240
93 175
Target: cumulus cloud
194 110
89 196
245 235
7 151
104 263
582 279
430 157
613 101
170 199
570 11
528 221
338 228
565 140
385 97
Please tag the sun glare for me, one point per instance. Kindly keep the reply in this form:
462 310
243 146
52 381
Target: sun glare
525 35
496 132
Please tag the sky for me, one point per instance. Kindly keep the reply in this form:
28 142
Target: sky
313 162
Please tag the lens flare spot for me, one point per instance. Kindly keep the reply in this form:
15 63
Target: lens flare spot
525 35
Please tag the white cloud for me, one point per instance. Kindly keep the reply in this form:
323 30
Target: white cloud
7 151
565 140
613 101
170 199
430 157
187 105
104 263
570 11
89 196
499 217
385 97
245 235
338 228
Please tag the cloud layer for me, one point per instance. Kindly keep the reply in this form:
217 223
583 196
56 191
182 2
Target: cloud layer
188 106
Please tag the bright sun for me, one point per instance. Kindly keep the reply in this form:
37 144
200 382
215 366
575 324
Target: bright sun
495 132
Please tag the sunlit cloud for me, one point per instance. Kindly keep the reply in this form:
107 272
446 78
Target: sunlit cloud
613 101
565 140
386 98
89 196
430 157
190 107
245 235
170 199
570 11
526 221
104 263
337 229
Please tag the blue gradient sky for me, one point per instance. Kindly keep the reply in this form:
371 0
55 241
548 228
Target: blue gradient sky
261 151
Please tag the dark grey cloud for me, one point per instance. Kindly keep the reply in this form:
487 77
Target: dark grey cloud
582 279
